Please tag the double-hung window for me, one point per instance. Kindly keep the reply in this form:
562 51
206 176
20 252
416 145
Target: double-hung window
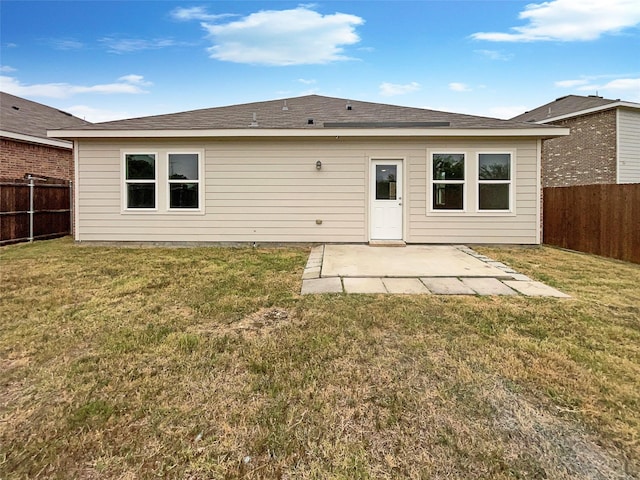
184 181
448 181
140 180
494 181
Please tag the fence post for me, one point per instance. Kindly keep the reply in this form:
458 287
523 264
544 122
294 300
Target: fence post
31 206
71 232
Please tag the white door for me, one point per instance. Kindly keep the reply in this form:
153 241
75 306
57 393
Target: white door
386 199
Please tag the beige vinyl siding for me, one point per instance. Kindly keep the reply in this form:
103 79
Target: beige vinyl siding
255 191
263 190
471 227
628 146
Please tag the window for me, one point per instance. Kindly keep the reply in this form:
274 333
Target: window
494 181
386 182
448 178
140 179
184 180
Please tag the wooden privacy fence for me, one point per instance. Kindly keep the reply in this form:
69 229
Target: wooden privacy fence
599 219
30 210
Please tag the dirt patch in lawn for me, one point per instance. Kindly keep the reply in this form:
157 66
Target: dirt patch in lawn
560 447
264 320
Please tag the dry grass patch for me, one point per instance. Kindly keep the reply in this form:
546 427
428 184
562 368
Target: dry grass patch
207 363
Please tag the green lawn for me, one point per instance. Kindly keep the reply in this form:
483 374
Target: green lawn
206 363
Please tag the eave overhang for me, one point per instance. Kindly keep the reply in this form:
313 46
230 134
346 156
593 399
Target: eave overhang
20 137
538 132
601 108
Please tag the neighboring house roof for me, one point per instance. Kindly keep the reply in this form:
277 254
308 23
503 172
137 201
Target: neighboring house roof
310 115
24 120
571 106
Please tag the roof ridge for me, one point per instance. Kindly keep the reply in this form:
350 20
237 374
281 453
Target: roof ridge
312 111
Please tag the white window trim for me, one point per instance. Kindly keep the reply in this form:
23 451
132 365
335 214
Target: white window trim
431 182
125 182
511 182
168 182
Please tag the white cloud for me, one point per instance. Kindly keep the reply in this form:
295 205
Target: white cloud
506 112
6 69
494 55
129 84
459 87
135 80
390 89
66 44
197 13
626 87
96 114
284 37
571 83
623 88
307 81
623 84
569 20
129 45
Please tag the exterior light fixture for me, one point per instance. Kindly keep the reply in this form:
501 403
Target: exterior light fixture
318 165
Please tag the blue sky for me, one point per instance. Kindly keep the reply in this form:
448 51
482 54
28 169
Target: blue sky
119 59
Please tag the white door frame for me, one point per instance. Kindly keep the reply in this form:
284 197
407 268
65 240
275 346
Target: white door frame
395 232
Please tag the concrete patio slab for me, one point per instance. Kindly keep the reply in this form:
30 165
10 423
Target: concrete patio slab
311 272
415 269
321 285
520 277
405 285
488 286
409 261
363 285
447 286
536 289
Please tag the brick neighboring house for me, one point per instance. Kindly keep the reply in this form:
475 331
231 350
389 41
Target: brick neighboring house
603 147
24 145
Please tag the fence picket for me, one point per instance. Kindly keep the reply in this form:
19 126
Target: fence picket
599 219
30 213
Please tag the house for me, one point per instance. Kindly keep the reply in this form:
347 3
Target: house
309 169
24 145
603 147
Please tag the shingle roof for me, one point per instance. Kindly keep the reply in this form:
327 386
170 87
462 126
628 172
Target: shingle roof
563 106
18 115
307 112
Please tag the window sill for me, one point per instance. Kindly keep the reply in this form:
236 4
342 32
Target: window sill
148 211
461 213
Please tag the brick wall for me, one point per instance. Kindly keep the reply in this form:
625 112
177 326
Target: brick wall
586 156
18 158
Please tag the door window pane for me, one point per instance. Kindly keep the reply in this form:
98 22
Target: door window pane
386 182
